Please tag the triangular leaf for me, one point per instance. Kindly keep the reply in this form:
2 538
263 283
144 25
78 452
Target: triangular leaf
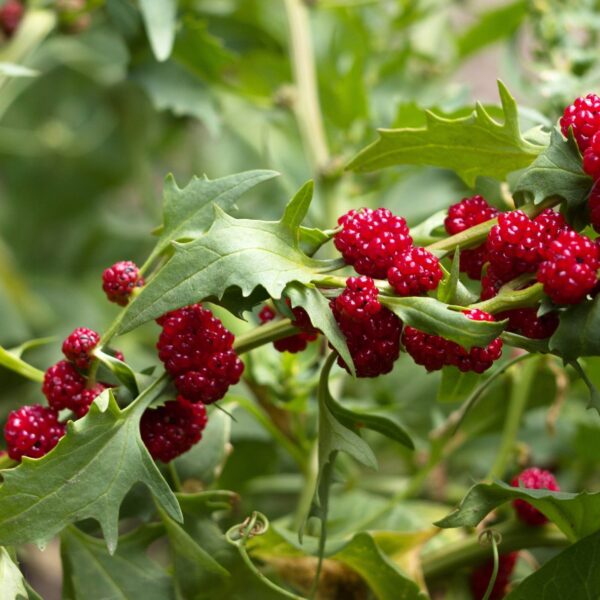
577 515
240 253
159 20
86 476
471 146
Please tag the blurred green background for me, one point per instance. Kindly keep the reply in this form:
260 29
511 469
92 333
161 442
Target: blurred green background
86 143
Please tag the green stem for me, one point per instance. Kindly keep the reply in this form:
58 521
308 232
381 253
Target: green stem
492 582
264 334
522 381
306 496
306 107
174 476
478 234
513 299
469 552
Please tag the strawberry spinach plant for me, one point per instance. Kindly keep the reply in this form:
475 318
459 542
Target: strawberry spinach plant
284 330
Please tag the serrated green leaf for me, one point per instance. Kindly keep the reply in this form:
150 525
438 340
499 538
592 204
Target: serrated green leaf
456 385
471 146
434 317
240 253
188 212
576 515
87 475
557 171
573 574
578 332
12 582
12 361
317 307
128 574
159 20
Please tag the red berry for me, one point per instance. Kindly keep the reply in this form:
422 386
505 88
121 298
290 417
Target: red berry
197 350
32 431
491 283
514 244
569 269
62 382
525 321
415 272
119 281
480 578
533 479
583 117
550 224
594 207
434 352
172 429
372 331
591 158
80 403
467 213
370 239
79 345
11 14
293 343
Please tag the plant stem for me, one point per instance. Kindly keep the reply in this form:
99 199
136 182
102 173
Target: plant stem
522 380
306 107
174 476
264 334
476 235
468 552
513 299
308 491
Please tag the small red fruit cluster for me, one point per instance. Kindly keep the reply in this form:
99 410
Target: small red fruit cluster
120 280
293 343
11 14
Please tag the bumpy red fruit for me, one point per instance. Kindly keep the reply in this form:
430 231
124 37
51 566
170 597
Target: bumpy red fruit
568 272
480 578
415 272
594 208
119 281
11 14
525 321
550 224
591 158
79 345
370 239
80 403
514 244
197 351
434 352
373 336
293 343
32 431
533 479
172 429
62 382
583 117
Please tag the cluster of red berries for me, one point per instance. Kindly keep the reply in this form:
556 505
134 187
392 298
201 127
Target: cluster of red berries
34 430
533 479
120 280
377 243
293 343
11 14
372 331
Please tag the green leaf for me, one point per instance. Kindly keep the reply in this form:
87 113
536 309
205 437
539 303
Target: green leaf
455 385
240 253
557 171
434 317
13 70
317 307
356 421
492 26
92 573
12 581
121 370
173 88
447 289
573 574
578 332
11 360
87 475
159 19
471 146
576 515
311 239
188 212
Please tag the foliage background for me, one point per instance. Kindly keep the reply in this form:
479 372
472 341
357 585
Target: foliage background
84 148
